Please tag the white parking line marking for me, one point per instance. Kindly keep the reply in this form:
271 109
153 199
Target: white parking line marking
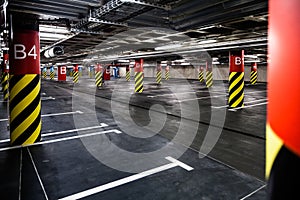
255 191
54 114
63 139
178 93
207 97
47 98
174 163
248 102
259 104
74 130
20 174
66 131
59 114
37 174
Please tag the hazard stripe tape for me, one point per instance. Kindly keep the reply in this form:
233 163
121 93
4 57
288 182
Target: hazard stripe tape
44 74
167 75
5 84
128 75
201 76
52 75
209 78
139 82
236 89
253 77
25 109
99 79
158 77
75 77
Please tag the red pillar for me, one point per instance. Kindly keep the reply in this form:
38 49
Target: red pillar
98 75
283 114
139 75
127 73
253 74
236 79
158 72
75 74
62 73
209 73
24 85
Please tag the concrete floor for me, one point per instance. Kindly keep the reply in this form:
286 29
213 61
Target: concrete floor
119 143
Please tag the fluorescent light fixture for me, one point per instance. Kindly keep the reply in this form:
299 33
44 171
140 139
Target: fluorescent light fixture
251 61
123 61
207 27
185 63
52 35
53 29
250 56
215 62
168 47
207 41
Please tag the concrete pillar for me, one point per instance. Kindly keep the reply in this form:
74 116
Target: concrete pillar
99 75
127 73
236 79
209 74
52 73
25 85
283 114
139 75
158 72
75 74
167 72
201 74
45 72
5 75
253 74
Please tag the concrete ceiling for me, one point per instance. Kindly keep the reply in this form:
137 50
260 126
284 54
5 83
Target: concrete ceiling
107 30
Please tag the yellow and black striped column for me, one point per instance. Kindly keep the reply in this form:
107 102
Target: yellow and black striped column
52 73
201 75
5 84
80 71
139 76
209 74
75 74
127 73
99 76
5 76
45 73
253 75
25 85
71 72
282 130
236 79
91 71
167 73
158 73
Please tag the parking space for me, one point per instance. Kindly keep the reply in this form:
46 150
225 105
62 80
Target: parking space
149 149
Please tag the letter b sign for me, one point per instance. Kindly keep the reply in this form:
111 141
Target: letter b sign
238 61
63 70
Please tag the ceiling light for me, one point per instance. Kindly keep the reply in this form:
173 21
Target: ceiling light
52 35
207 27
53 29
207 41
168 47
250 56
